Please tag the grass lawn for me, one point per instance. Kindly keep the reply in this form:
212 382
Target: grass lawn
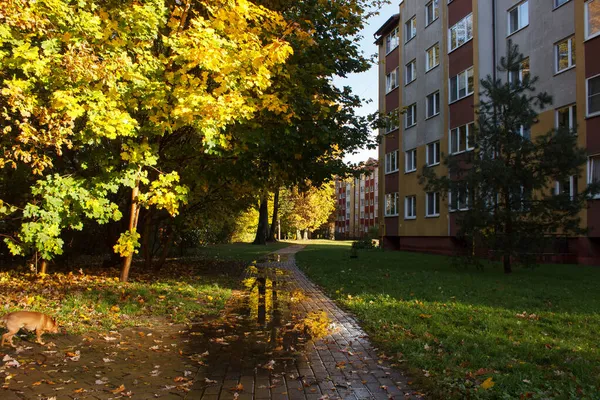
465 333
238 251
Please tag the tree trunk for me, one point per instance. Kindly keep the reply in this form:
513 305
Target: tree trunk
298 234
44 267
166 247
262 230
273 230
305 235
133 220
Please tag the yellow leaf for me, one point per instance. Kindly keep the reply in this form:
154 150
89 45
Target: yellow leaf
488 383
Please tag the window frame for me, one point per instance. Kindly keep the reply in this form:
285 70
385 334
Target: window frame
413 29
587 21
466 20
456 195
437 109
466 78
469 127
392 124
436 205
520 26
394 195
394 33
572 187
572 110
396 74
390 167
412 65
526 61
571 54
413 200
435 6
436 48
559 5
587 97
412 110
412 156
437 154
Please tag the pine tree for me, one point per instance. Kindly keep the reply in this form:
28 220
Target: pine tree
507 186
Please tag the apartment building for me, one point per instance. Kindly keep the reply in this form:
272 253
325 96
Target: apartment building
433 55
357 203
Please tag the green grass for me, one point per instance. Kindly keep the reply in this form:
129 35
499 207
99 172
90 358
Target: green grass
238 251
453 328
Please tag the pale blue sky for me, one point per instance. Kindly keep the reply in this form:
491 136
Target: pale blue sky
365 84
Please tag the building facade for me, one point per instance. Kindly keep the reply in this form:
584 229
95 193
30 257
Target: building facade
433 55
357 203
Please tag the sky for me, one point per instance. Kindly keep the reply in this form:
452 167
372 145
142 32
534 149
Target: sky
365 84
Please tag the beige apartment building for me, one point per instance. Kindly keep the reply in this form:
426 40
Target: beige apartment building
433 55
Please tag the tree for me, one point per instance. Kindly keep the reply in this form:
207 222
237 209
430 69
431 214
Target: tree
508 181
107 85
305 210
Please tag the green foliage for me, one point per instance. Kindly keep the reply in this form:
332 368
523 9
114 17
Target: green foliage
533 332
306 209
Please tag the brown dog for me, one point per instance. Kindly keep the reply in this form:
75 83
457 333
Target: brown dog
29 320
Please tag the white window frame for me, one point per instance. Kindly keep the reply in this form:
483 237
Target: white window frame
391 79
391 162
572 187
587 21
392 41
394 198
410 161
521 24
587 97
436 160
469 145
435 7
464 38
412 111
571 54
412 201
461 75
558 3
412 67
410 29
436 204
572 110
436 111
436 51
521 74
459 206
392 123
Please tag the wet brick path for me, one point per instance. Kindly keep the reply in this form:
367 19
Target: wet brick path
255 350
342 365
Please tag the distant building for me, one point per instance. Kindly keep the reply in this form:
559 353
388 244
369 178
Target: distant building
357 203
432 56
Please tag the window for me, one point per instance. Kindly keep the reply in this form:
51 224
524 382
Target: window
347 215
410 28
392 121
524 132
459 199
564 53
566 118
410 160
461 85
518 17
432 204
432 105
432 12
410 118
432 58
517 76
461 32
411 72
593 96
558 3
461 138
391 41
433 154
594 171
391 81
568 187
592 18
391 162
410 207
391 204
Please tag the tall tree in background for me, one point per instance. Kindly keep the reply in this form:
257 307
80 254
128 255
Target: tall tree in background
306 209
507 184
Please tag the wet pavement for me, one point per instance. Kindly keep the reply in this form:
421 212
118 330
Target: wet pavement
265 345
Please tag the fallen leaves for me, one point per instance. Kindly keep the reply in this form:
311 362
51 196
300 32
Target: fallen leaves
488 383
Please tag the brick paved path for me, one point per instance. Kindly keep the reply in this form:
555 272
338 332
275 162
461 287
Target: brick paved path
264 358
